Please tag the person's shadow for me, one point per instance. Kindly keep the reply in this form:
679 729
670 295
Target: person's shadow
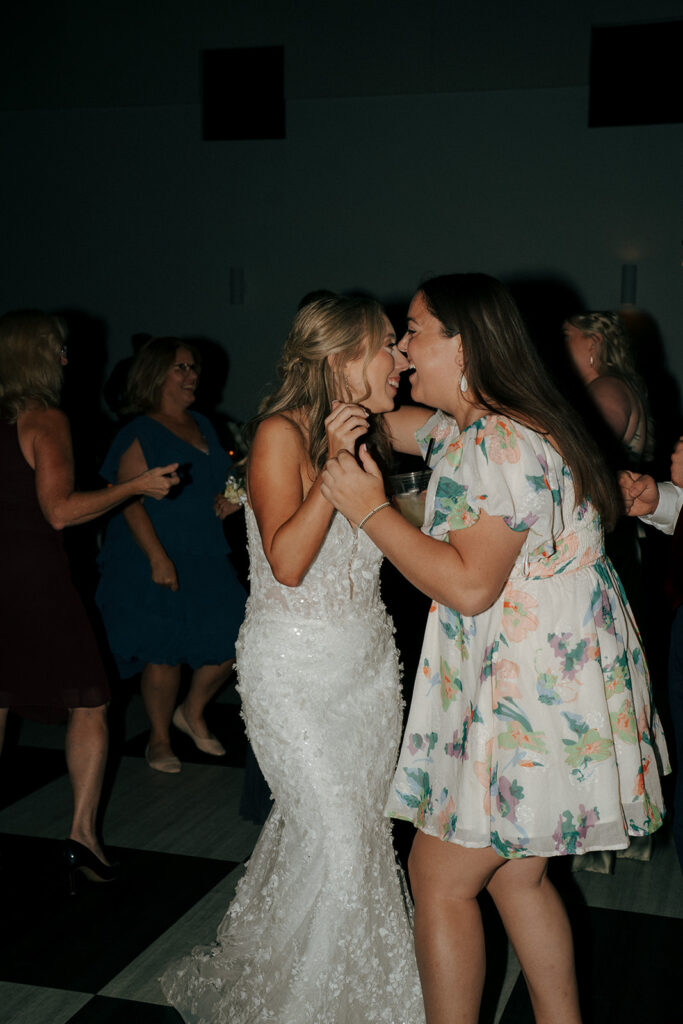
662 387
114 389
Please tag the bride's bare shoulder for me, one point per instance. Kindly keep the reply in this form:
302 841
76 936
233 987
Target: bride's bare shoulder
287 426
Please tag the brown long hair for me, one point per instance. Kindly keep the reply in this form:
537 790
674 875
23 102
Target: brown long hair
149 370
505 375
30 367
341 327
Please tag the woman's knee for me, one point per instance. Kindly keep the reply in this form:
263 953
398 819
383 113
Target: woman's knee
518 875
448 871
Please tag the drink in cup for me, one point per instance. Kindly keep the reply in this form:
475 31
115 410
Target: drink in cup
408 494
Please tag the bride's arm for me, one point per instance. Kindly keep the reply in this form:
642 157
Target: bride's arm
402 425
293 519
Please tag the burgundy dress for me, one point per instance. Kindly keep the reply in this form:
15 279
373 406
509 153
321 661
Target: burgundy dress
49 659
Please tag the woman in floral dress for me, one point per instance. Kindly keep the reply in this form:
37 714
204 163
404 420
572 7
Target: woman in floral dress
531 733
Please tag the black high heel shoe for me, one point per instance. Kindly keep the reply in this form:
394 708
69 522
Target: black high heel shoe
77 857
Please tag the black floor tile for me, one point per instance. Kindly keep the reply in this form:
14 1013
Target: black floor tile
103 1010
26 769
518 1008
627 966
80 943
496 958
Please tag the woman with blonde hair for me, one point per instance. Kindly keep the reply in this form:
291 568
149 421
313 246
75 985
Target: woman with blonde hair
600 349
50 666
318 930
601 352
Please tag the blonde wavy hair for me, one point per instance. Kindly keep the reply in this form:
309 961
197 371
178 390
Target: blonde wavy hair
326 334
31 372
615 357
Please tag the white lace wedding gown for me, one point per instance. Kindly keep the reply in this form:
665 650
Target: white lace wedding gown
319 931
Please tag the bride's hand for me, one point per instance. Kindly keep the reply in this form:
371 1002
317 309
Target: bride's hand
352 490
345 424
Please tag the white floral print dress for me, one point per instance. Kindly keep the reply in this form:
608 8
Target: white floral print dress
531 727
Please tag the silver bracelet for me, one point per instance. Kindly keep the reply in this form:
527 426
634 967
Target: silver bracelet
385 504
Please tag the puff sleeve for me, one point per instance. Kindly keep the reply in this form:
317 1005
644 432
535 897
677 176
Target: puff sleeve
506 470
439 428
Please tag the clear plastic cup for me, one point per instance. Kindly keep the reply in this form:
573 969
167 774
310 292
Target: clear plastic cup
408 492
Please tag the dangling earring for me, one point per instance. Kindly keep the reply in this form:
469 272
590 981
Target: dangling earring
347 385
463 383
591 360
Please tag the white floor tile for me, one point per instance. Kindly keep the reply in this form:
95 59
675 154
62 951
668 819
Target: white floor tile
194 813
651 887
29 1004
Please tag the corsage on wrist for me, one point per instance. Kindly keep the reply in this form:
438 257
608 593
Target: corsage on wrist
235 490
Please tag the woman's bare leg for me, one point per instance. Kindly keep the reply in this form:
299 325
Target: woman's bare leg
206 682
449 935
538 928
159 688
87 742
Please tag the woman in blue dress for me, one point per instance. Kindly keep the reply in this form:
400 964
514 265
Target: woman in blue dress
169 594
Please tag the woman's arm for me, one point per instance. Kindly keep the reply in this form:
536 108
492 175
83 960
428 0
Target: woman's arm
292 517
468 573
45 441
164 572
224 508
402 425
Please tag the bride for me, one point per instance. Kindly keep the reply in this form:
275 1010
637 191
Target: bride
319 931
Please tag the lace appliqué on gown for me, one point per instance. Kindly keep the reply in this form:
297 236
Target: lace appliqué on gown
319 931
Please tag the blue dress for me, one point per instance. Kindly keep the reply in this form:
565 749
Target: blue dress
145 622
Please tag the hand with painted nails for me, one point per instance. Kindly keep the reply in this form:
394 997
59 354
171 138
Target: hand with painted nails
353 490
344 426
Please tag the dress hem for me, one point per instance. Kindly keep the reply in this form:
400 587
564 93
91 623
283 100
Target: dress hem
526 851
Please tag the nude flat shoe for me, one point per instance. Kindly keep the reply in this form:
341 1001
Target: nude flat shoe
210 745
168 763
